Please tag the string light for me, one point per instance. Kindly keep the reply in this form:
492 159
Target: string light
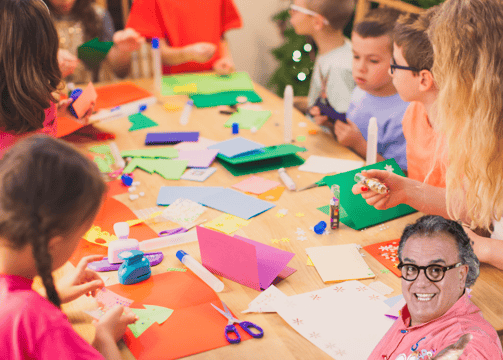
308 47
301 76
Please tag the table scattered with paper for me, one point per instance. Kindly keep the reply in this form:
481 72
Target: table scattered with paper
316 296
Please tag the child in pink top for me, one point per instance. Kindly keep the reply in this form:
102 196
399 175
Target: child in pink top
49 196
29 71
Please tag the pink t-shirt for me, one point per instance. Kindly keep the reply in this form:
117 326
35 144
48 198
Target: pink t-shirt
7 139
404 342
31 327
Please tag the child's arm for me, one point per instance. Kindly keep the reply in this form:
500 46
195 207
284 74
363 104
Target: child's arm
488 250
67 62
350 136
224 65
198 52
125 42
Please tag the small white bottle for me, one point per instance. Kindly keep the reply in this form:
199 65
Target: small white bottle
288 113
287 180
184 118
372 142
156 65
121 230
198 269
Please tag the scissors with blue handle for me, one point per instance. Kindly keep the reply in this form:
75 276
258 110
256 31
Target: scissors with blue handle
245 325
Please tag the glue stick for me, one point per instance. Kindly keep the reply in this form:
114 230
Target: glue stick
156 64
198 269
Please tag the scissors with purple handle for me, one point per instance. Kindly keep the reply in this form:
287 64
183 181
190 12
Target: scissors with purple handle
245 325
173 231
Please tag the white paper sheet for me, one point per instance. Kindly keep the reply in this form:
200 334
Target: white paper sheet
327 165
264 303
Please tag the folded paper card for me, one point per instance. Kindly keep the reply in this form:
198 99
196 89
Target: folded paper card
201 144
359 214
345 320
339 263
198 174
256 185
237 146
386 253
198 158
110 96
245 261
193 317
170 138
84 101
248 119
205 83
264 302
224 98
327 165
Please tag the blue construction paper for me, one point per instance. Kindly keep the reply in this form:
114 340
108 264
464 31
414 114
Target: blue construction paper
168 194
170 138
236 146
393 300
236 203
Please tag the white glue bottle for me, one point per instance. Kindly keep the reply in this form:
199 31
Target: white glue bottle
156 65
288 113
372 142
115 247
198 269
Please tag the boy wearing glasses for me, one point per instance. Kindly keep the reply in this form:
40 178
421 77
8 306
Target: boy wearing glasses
411 72
331 83
437 264
375 95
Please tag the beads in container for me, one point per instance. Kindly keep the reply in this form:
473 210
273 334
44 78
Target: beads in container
373 184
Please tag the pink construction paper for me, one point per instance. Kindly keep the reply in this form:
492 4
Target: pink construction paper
198 158
245 261
256 185
83 102
201 144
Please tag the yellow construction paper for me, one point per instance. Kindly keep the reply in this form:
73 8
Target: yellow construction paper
227 223
95 233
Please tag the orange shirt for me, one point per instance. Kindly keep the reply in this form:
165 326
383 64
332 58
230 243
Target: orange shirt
185 22
421 146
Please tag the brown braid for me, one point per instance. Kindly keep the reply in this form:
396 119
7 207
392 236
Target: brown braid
43 261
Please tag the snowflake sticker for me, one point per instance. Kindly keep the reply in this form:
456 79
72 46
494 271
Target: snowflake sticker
314 335
297 321
339 288
361 288
300 231
330 345
374 297
299 214
302 238
389 168
315 297
285 239
274 241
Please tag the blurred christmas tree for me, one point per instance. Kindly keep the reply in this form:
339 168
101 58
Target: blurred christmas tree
297 54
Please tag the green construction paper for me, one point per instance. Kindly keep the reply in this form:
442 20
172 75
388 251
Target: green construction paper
249 118
109 159
101 149
147 317
147 165
102 164
207 83
264 154
224 98
262 165
93 52
140 121
360 214
165 152
171 169
326 210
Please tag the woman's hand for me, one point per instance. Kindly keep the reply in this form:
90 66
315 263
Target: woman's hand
67 62
396 184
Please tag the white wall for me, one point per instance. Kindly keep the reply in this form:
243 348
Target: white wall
251 45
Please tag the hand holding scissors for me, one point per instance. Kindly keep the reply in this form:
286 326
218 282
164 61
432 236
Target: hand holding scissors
245 325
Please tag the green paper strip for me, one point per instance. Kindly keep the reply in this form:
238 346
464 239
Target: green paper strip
101 149
263 165
207 83
224 98
151 153
177 269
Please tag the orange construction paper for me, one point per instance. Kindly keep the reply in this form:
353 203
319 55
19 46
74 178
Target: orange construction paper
273 194
116 187
66 126
84 101
112 211
386 253
194 327
110 96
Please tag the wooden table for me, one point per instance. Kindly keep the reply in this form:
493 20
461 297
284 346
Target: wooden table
280 340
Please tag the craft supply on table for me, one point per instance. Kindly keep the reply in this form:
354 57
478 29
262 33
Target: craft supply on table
117 155
198 174
372 141
154 258
203 273
264 302
123 243
287 180
230 328
156 65
187 109
320 227
328 165
169 138
235 128
288 114
373 184
127 109
334 206
180 230
135 268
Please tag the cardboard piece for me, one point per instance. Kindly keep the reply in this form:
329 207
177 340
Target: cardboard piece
264 302
140 121
273 194
245 261
159 153
226 223
327 165
386 253
237 146
110 96
170 138
205 83
201 144
193 317
93 52
198 158
256 185
360 214
84 101
339 263
224 98
248 119
198 174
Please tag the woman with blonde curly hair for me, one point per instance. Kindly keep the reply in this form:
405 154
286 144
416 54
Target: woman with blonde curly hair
468 69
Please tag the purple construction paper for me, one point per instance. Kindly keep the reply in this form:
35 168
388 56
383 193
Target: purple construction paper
198 158
170 138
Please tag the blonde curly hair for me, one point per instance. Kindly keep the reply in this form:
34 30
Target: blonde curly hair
467 39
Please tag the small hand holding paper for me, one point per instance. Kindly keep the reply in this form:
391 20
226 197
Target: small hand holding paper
67 62
317 117
82 281
224 66
128 40
114 322
348 134
201 52
395 183
64 112
454 351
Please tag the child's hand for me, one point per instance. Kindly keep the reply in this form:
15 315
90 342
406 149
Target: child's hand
82 281
128 40
224 66
317 117
112 325
397 189
67 62
64 112
348 134
480 244
201 52
454 351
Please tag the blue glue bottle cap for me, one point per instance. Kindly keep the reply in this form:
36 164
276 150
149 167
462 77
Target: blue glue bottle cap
155 43
180 254
320 227
235 128
127 180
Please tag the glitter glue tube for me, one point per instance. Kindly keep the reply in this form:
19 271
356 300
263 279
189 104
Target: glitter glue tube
211 280
334 207
373 184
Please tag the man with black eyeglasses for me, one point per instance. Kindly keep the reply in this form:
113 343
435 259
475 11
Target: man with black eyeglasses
437 264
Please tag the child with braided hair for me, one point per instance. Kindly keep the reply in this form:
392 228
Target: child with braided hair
49 197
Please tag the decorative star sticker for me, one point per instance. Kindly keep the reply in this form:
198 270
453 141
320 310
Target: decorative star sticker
299 214
300 231
302 238
285 239
389 168
280 215
274 241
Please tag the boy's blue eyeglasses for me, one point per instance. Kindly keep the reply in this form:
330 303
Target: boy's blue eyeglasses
393 66
303 10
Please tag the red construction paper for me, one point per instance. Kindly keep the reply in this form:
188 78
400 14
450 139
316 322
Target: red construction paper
116 187
66 126
194 327
112 211
110 96
386 253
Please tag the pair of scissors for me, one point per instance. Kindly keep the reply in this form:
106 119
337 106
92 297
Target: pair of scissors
245 325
